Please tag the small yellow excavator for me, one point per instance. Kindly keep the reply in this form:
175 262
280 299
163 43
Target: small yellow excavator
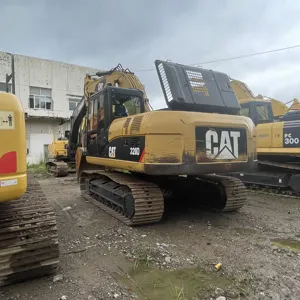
129 157
59 162
28 233
278 141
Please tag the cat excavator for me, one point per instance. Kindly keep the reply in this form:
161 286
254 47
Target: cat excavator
62 151
278 141
129 157
28 232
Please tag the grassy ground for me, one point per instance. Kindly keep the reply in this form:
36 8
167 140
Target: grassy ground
38 170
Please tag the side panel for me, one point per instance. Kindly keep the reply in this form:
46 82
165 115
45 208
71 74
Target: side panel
221 144
277 134
264 135
125 148
285 139
13 179
291 134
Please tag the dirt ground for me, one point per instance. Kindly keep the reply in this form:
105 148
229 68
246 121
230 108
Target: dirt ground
101 258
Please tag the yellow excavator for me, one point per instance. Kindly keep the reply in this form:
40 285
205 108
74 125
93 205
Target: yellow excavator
62 151
129 157
278 141
28 232
244 93
59 162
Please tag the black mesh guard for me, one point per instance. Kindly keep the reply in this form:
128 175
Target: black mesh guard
195 89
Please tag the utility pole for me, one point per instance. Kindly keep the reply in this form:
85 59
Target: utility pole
11 77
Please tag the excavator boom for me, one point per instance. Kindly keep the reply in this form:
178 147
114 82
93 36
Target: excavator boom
118 77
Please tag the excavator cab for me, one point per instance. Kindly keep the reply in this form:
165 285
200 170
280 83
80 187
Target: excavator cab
105 107
259 111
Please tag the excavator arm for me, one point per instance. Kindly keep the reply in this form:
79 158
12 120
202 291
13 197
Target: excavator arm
244 95
118 77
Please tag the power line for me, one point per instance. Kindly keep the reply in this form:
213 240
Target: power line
232 58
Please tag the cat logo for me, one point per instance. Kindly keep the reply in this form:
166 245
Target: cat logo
222 146
112 152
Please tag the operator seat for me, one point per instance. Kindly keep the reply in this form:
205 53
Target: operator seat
120 111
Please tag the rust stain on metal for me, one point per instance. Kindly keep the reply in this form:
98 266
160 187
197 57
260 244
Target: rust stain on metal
168 158
188 158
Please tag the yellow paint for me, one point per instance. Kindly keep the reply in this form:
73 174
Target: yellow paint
295 105
244 94
279 108
7 120
124 79
170 135
57 148
112 163
269 140
13 140
269 136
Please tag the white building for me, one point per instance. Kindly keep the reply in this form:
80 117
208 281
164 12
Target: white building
49 91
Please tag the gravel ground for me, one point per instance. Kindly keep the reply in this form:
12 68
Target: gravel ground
101 258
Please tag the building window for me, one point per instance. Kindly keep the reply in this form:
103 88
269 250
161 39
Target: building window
40 98
3 87
73 103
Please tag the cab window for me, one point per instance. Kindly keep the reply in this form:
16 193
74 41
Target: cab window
262 112
245 111
126 105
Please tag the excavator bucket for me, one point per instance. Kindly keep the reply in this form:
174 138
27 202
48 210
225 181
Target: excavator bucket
196 89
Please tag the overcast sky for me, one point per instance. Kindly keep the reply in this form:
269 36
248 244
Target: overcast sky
101 34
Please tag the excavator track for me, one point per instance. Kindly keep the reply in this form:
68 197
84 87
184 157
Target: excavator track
127 198
28 237
57 168
134 201
233 193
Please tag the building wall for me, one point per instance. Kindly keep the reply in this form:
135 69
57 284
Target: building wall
39 134
39 80
64 80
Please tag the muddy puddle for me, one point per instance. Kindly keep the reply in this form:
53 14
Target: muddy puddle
290 244
181 284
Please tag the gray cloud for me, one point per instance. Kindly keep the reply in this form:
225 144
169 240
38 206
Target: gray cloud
103 33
